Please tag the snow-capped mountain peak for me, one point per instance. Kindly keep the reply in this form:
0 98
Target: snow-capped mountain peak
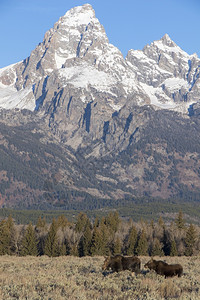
80 15
76 54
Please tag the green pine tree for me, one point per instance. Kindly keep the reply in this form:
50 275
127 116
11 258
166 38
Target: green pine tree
132 239
180 223
106 237
10 222
74 250
51 247
41 223
62 250
152 224
11 228
117 249
82 221
41 231
112 221
190 240
5 238
96 222
29 242
97 243
62 222
161 222
85 242
173 249
142 245
157 249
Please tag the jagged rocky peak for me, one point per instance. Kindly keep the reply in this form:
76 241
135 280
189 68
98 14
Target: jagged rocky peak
76 54
79 17
72 36
168 41
167 74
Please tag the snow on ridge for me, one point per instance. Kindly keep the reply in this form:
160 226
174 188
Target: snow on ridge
175 84
11 98
167 103
9 67
161 45
80 15
85 75
151 92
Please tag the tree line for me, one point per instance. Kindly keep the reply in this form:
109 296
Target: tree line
108 235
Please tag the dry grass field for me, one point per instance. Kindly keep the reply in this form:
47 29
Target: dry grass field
73 278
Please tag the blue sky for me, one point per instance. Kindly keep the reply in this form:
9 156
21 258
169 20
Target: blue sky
129 24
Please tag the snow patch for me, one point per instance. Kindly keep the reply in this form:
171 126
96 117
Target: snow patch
151 92
11 98
85 75
59 60
175 84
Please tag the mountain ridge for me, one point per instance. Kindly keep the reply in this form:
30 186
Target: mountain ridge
122 127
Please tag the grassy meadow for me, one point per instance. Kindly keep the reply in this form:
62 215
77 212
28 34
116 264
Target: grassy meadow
69 277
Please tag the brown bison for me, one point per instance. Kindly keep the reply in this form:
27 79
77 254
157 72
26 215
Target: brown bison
162 268
119 263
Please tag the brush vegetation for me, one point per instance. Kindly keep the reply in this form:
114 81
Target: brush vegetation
69 277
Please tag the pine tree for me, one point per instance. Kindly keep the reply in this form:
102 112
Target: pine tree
97 243
112 221
62 250
157 249
10 223
152 224
142 245
5 238
85 242
132 239
190 240
96 222
29 243
74 250
173 249
11 228
166 241
41 223
180 223
106 236
161 222
51 247
41 231
117 246
82 221
62 222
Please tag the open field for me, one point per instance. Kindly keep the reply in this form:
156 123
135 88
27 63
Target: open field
69 277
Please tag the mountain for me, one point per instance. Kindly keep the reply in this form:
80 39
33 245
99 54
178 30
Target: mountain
81 124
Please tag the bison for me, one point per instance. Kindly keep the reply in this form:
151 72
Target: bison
119 263
162 268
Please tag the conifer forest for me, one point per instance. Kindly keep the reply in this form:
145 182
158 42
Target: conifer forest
107 235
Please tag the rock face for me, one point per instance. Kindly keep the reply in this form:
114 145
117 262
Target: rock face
122 127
